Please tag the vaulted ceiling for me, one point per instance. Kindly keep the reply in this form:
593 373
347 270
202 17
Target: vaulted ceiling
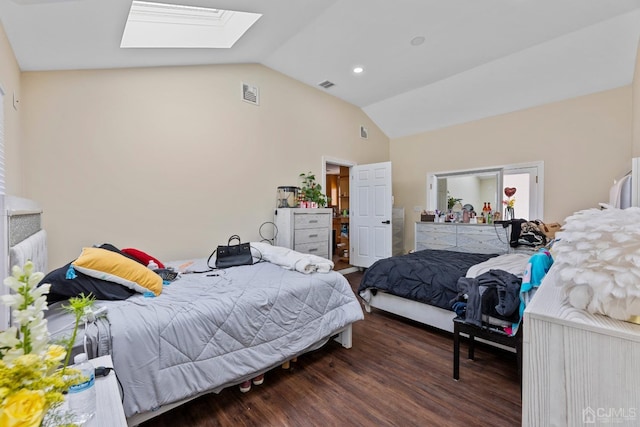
427 63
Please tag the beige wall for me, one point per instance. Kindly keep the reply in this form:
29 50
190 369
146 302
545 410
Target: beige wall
585 143
10 82
171 160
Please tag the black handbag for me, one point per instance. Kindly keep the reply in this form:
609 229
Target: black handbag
233 255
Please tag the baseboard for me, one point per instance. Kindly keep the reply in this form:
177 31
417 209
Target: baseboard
348 270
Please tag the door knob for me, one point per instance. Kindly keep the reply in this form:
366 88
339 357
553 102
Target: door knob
386 222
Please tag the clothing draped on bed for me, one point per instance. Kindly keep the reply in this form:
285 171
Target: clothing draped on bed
212 330
428 276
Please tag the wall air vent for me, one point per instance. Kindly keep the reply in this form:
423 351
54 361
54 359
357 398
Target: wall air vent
250 94
364 133
326 84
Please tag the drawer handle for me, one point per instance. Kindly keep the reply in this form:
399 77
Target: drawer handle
313 221
313 250
313 235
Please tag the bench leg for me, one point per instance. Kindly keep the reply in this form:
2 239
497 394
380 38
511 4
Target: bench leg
471 347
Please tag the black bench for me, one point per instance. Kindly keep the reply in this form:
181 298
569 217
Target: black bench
485 333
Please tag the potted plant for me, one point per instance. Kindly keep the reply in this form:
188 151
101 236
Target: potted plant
311 194
451 201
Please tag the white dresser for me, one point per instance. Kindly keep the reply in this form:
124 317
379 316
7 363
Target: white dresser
478 238
305 230
578 368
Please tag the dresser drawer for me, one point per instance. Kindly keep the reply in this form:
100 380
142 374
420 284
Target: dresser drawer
303 221
304 230
312 235
316 248
430 236
478 238
481 238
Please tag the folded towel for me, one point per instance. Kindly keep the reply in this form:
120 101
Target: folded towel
290 259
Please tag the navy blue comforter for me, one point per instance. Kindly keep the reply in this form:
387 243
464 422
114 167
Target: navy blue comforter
428 276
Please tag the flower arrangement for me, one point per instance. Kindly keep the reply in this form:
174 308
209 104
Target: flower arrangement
509 202
33 372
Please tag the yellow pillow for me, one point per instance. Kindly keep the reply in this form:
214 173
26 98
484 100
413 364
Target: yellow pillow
114 267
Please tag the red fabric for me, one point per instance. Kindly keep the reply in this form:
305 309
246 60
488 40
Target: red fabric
143 257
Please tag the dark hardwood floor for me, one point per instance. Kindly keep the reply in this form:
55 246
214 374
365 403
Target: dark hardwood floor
338 264
398 373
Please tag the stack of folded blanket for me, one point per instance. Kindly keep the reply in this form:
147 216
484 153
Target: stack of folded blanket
290 259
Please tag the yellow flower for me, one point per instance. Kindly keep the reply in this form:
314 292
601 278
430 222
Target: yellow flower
25 408
28 360
33 373
56 352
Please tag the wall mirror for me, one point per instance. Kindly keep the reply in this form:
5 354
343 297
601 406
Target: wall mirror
475 188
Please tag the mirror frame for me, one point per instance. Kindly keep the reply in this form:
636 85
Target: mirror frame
432 185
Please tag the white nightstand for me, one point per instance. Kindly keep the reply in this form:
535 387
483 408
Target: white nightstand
109 412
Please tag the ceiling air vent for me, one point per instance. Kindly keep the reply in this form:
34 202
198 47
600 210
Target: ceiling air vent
250 94
326 84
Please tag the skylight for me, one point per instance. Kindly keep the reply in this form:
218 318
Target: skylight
163 25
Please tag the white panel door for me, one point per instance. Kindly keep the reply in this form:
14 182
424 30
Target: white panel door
370 213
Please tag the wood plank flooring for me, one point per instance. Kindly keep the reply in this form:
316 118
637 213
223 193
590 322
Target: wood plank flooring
398 373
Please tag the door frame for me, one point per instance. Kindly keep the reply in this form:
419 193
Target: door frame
334 161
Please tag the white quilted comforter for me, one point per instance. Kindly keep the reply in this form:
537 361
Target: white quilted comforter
204 332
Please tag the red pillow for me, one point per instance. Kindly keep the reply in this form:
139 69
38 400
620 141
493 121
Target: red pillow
142 257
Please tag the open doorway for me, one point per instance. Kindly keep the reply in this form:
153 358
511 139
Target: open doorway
338 194
369 229
337 182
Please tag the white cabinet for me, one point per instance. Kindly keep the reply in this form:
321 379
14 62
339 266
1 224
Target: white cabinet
578 368
305 230
478 238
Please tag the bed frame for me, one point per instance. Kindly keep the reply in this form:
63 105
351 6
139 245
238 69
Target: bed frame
22 239
453 237
343 336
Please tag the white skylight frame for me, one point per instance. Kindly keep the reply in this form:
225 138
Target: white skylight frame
163 25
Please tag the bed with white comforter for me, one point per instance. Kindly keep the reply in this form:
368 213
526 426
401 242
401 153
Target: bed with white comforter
207 331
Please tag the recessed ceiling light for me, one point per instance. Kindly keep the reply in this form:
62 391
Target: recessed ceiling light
158 25
417 41
358 70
